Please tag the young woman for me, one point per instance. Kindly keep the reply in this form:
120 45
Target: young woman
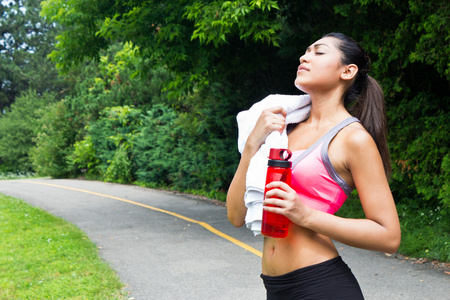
333 153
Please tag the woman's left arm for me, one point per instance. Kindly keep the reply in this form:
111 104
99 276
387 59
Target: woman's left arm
380 231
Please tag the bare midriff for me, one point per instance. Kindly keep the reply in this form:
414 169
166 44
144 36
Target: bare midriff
301 248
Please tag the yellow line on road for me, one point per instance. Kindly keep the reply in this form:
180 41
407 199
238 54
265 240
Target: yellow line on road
203 224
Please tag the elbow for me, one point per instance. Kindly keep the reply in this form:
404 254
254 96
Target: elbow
393 244
235 221
236 210
391 249
235 216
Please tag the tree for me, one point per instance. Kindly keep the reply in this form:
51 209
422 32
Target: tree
25 41
18 129
174 34
54 141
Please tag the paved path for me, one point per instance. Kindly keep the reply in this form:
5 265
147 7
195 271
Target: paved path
168 246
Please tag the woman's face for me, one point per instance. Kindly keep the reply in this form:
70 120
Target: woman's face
320 67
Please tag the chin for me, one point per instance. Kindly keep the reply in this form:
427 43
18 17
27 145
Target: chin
299 86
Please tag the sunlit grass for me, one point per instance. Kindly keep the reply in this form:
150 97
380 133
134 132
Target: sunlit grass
44 257
12 175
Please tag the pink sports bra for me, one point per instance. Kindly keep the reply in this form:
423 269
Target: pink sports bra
315 179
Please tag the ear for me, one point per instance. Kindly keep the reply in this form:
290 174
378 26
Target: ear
349 72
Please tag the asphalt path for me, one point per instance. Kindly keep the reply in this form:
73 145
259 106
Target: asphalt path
170 246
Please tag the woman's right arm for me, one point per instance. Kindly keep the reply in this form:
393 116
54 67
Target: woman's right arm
271 119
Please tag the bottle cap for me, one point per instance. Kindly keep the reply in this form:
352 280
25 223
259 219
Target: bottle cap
280 154
279 158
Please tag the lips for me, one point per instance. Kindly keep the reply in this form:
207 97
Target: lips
302 68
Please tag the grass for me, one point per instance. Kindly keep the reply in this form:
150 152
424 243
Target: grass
425 232
44 257
11 175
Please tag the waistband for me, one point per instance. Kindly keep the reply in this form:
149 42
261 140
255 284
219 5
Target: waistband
305 272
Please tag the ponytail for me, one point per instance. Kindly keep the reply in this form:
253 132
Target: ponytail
370 110
364 99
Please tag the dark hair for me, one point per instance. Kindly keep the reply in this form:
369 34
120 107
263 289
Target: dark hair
364 99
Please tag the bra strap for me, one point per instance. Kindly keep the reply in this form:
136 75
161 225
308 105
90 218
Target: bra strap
327 136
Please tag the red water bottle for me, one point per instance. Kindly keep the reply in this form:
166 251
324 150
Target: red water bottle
279 169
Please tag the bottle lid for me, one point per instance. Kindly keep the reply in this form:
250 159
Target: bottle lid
280 154
279 158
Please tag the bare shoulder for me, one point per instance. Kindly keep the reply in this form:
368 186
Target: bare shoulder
351 150
360 152
355 138
357 147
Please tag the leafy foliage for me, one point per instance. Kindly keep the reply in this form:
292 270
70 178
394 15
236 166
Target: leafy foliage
444 193
54 142
170 154
418 162
79 37
26 39
84 158
17 130
217 20
120 167
154 147
105 148
164 33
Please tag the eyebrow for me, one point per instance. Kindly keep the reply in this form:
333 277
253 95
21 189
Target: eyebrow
316 46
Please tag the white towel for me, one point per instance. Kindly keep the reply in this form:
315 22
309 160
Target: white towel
298 108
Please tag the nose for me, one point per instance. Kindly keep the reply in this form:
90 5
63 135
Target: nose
303 58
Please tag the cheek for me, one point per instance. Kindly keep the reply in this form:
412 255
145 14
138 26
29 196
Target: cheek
328 71
328 65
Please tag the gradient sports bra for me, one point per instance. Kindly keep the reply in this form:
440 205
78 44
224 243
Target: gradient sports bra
314 178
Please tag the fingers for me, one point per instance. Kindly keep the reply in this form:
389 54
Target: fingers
278 206
279 185
277 110
276 114
278 192
280 195
271 119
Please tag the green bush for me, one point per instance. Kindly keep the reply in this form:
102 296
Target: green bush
103 153
84 158
179 150
120 167
419 147
154 147
17 131
444 193
54 142
113 82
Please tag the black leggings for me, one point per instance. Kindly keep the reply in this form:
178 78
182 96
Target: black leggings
331 279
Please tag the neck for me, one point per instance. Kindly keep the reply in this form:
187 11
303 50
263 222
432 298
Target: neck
327 109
